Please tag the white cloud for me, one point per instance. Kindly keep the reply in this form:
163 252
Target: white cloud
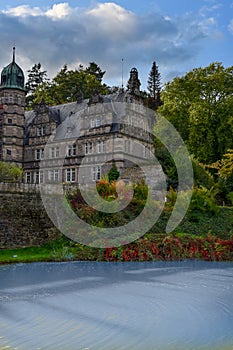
59 11
23 11
104 33
111 12
111 19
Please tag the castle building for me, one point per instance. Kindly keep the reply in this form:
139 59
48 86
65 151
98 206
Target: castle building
77 141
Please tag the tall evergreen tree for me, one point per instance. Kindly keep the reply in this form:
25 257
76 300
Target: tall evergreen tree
35 78
154 85
95 70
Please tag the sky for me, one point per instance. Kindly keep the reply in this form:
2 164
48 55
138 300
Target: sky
178 34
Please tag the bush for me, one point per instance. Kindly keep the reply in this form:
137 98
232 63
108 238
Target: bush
230 197
10 172
171 248
204 200
113 174
202 177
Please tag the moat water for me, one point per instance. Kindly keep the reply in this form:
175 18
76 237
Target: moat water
116 306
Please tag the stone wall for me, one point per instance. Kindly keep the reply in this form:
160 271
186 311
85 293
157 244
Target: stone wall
23 220
153 175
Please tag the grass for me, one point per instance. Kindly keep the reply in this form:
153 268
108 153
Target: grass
25 255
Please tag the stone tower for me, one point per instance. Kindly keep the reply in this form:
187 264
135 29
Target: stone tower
12 108
134 82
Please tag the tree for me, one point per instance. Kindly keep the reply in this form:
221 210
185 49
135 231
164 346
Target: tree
10 172
35 78
200 106
113 173
224 169
154 86
95 70
65 86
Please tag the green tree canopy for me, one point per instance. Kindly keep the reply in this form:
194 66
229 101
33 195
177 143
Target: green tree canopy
67 84
200 106
10 172
95 70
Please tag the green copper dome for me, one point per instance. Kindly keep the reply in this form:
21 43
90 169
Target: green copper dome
12 76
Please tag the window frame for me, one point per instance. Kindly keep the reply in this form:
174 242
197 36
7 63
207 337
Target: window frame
96 173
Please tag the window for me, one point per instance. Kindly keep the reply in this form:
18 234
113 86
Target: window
8 152
96 173
92 123
19 100
39 153
72 150
10 99
40 131
28 177
9 121
41 179
54 152
70 175
101 147
53 175
36 177
88 148
97 121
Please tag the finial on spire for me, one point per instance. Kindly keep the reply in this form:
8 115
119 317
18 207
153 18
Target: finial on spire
122 73
14 54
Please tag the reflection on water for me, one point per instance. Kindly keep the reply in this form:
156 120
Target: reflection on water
117 306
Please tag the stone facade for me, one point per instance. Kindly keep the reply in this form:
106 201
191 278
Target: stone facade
76 141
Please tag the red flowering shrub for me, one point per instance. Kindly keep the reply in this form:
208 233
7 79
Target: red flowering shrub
173 248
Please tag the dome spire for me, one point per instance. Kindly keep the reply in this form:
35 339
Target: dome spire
12 76
13 54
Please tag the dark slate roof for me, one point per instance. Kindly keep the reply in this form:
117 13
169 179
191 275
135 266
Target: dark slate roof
67 116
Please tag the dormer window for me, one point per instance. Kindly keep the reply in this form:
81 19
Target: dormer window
72 150
40 131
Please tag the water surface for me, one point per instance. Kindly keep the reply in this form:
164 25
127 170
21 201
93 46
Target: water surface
117 306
